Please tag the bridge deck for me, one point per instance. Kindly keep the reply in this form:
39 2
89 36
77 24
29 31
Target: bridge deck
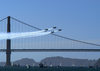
52 50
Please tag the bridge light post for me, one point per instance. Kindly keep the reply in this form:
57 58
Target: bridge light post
8 44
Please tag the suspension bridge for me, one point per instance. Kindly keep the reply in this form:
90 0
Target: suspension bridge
47 43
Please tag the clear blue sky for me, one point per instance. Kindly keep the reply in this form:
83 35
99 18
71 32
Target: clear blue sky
79 19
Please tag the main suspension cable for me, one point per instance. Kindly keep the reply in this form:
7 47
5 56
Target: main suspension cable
56 34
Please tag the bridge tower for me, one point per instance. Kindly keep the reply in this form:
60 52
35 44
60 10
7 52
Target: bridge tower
8 44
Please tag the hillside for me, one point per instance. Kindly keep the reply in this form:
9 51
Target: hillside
55 61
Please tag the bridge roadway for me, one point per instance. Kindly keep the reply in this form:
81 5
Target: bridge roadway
52 50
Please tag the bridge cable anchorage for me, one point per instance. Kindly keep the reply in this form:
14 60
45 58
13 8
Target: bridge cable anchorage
3 19
57 35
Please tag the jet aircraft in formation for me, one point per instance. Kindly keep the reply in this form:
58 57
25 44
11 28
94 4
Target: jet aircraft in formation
53 31
28 34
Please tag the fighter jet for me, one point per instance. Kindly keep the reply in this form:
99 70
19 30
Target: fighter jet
46 30
59 29
54 27
52 32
